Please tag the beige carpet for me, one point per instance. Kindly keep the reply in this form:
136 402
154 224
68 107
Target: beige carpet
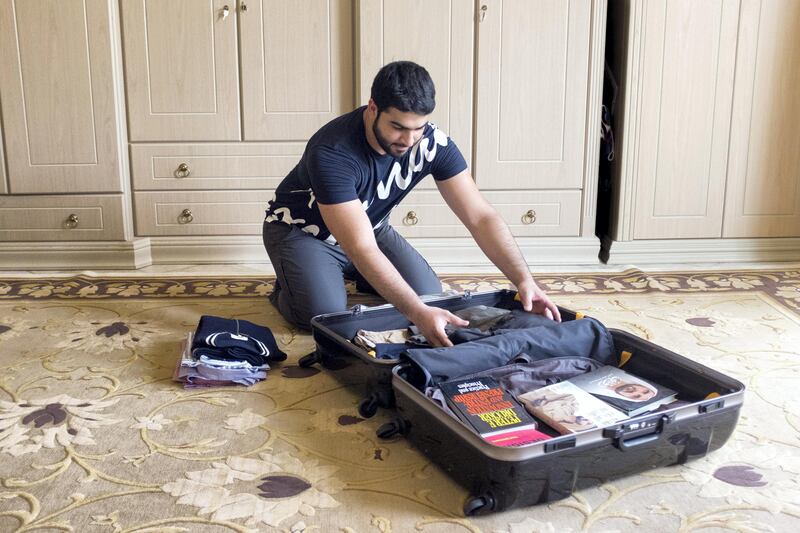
95 437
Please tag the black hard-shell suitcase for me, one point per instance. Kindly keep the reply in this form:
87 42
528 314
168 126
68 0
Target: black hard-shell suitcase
499 478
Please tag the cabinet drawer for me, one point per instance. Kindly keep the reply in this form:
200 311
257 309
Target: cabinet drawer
62 218
200 213
212 166
527 213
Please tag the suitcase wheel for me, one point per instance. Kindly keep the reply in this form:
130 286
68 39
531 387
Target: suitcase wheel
368 406
479 505
398 426
309 360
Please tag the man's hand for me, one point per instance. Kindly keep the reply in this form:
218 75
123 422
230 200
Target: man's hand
495 239
534 300
431 322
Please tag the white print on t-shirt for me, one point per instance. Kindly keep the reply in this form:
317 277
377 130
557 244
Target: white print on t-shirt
418 153
286 215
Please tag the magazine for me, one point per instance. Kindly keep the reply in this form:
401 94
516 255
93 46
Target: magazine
569 409
628 393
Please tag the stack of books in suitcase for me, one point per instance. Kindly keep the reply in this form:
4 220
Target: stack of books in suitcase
594 399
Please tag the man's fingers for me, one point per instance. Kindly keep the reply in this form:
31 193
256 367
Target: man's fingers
527 304
551 310
457 321
555 311
440 340
441 336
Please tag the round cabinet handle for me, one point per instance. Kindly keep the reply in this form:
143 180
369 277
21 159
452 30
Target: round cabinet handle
72 221
185 217
183 171
410 219
243 7
529 217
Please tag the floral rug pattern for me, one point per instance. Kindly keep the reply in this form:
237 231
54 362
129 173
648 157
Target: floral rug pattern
95 436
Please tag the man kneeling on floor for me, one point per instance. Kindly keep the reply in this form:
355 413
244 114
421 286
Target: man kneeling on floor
329 220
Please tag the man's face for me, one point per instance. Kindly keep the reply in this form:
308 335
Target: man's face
397 131
635 392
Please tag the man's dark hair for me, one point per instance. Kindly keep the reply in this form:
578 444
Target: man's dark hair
405 86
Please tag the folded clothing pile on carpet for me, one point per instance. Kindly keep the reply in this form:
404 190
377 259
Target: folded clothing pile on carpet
224 351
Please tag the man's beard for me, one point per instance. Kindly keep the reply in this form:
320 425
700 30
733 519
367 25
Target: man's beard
385 145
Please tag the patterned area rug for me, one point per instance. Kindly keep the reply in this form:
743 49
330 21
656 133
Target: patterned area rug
95 437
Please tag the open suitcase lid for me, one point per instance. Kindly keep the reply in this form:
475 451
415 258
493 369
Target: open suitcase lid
340 327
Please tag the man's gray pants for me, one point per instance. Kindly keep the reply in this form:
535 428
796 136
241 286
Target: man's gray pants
311 272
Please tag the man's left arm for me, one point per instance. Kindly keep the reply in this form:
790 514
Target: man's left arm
493 237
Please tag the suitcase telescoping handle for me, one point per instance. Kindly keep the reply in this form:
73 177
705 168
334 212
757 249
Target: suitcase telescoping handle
637 433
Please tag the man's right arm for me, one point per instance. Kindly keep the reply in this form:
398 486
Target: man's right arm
351 227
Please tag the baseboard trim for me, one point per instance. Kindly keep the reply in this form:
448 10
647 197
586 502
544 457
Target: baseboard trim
644 252
73 255
445 254
463 255
460 255
208 250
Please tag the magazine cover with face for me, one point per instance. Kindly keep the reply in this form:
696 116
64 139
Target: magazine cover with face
628 393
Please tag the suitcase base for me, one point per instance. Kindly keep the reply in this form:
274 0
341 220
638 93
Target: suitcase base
495 484
499 478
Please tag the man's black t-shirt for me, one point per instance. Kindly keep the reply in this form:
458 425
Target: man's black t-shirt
338 165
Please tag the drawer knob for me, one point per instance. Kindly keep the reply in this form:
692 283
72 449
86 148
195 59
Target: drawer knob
185 217
529 217
182 171
410 219
72 221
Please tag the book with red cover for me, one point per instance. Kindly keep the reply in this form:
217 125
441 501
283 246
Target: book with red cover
519 436
491 411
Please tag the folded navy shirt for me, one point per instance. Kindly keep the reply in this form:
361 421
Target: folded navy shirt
235 339
496 325
576 338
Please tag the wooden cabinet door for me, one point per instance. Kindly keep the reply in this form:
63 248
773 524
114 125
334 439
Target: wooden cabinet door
763 191
442 42
531 93
687 66
297 66
59 101
182 71
3 184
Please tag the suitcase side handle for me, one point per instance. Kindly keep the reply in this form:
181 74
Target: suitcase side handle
633 434
627 444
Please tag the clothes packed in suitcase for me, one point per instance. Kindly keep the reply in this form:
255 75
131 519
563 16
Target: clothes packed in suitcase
524 410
